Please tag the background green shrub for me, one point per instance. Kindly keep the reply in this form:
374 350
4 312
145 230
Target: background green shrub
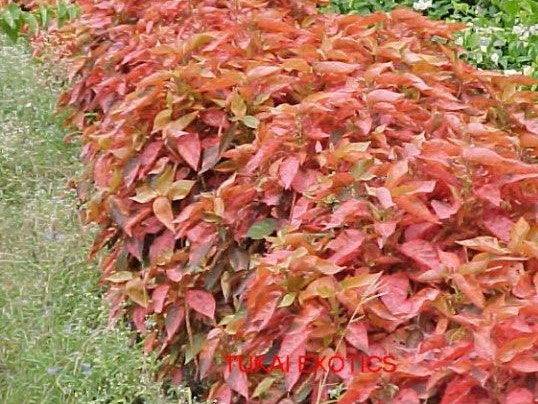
500 34
14 19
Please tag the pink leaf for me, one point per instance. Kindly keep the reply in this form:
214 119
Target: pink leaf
520 395
174 317
385 230
348 211
190 149
159 296
292 375
162 247
237 380
444 210
163 211
498 224
490 193
202 302
470 289
208 351
524 364
223 395
384 197
335 67
346 245
406 396
383 96
288 171
357 336
422 252
394 293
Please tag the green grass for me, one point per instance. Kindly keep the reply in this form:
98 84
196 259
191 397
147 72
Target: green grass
54 343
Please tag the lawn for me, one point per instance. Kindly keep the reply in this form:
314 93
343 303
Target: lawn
54 342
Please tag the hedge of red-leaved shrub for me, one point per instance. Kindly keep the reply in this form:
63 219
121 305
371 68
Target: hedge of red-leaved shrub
270 181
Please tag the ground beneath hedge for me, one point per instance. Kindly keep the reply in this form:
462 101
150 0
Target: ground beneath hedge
54 345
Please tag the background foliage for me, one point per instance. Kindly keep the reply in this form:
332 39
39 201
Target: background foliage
500 34
17 18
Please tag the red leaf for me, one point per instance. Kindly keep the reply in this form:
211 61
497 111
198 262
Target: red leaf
520 395
208 351
215 117
174 317
139 318
524 364
288 171
394 293
416 207
261 314
346 245
334 67
470 289
190 149
159 296
291 342
457 391
406 396
357 336
422 252
360 388
383 96
202 302
292 375
162 247
237 380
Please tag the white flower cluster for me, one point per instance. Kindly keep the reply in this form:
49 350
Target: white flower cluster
527 70
524 32
422 5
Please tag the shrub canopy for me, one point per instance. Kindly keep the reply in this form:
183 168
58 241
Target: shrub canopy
269 180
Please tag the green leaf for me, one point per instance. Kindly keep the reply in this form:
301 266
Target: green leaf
62 12
180 189
43 16
238 106
121 276
136 291
13 15
8 19
12 33
251 121
287 300
360 168
32 22
144 193
72 11
263 386
195 348
262 229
